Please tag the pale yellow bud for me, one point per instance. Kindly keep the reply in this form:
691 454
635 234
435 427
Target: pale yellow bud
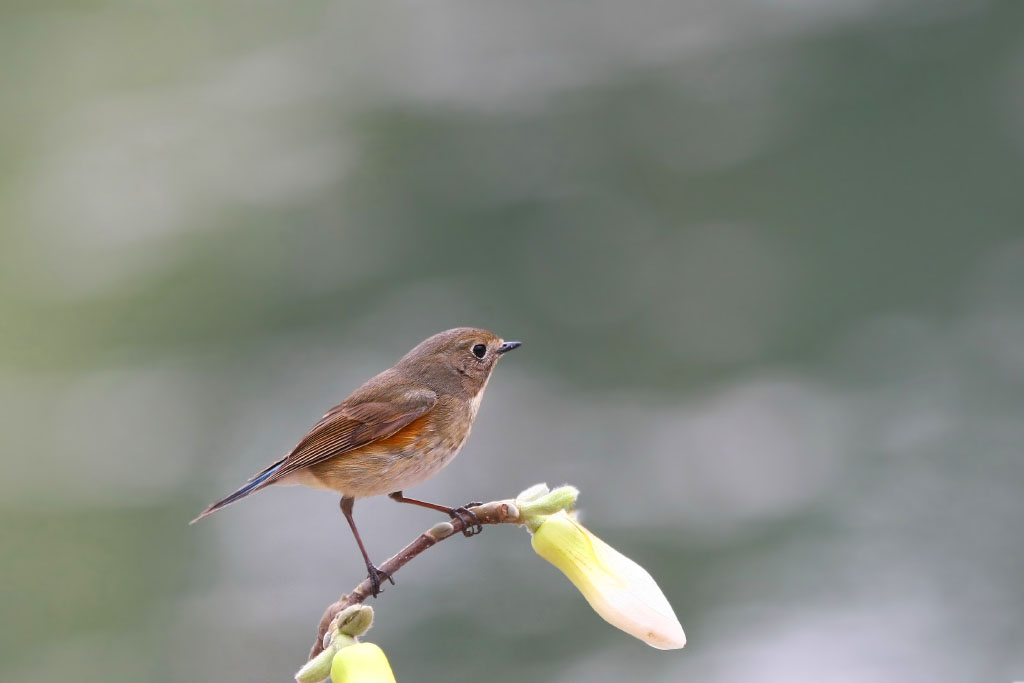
618 589
361 663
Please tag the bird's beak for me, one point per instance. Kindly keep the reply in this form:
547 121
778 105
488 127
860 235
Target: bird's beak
508 346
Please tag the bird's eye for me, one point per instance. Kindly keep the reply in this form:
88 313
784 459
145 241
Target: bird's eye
479 350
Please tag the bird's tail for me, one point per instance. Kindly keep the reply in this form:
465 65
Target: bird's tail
253 485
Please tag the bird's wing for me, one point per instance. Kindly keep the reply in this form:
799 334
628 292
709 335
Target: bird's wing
353 424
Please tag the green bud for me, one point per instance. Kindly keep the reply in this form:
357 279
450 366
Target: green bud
560 499
532 493
354 620
318 668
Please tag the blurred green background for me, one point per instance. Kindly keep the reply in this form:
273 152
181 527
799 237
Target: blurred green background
766 256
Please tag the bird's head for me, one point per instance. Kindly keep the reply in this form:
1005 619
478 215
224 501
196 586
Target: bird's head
461 357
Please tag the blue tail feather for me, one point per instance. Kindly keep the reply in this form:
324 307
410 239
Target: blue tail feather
252 485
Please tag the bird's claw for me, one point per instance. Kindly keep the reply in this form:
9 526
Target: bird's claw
375 575
471 524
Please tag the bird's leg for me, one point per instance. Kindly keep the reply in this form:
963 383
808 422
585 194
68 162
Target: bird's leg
470 522
375 574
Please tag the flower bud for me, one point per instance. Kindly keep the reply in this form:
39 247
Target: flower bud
618 589
318 668
532 493
354 620
547 504
361 663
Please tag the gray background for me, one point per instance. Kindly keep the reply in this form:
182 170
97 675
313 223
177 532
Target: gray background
767 258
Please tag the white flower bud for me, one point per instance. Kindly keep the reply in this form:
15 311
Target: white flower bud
618 589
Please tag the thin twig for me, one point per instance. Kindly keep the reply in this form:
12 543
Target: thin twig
495 512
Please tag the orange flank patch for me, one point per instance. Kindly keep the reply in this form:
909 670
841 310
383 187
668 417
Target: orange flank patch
405 436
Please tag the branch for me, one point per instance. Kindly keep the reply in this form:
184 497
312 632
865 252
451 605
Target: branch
495 512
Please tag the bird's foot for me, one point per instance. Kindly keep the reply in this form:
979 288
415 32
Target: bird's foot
377 576
470 522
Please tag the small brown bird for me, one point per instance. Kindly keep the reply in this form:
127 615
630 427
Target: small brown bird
397 430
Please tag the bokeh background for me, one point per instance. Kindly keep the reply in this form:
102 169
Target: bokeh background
767 258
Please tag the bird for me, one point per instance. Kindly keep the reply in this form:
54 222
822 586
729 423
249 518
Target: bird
397 430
